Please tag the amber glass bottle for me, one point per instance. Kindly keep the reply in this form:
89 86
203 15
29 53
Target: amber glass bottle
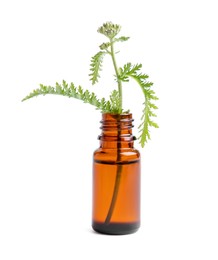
116 178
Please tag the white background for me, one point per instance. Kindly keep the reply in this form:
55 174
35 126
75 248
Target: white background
46 143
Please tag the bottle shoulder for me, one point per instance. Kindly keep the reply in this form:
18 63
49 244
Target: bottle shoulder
123 154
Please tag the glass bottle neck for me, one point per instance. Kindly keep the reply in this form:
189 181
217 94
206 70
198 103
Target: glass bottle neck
116 131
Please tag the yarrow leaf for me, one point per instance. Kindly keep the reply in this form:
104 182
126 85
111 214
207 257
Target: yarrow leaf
121 39
105 45
106 106
96 66
132 71
115 101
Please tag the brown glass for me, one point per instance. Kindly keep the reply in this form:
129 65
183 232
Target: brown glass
116 178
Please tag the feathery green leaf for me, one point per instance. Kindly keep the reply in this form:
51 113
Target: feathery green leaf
132 71
115 101
105 46
96 65
77 93
121 39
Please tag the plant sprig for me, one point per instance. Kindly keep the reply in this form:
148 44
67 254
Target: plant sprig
96 66
133 71
122 75
106 106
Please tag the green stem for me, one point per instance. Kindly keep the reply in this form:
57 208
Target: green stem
115 194
119 166
117 181
117 75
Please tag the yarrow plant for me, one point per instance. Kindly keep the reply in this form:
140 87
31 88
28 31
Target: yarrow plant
123 74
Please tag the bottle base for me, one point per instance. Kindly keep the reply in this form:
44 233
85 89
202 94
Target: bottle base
115 228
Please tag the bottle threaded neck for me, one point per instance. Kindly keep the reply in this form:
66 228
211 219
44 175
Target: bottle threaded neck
116 128
116 122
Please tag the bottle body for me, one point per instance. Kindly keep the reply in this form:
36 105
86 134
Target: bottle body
116 178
